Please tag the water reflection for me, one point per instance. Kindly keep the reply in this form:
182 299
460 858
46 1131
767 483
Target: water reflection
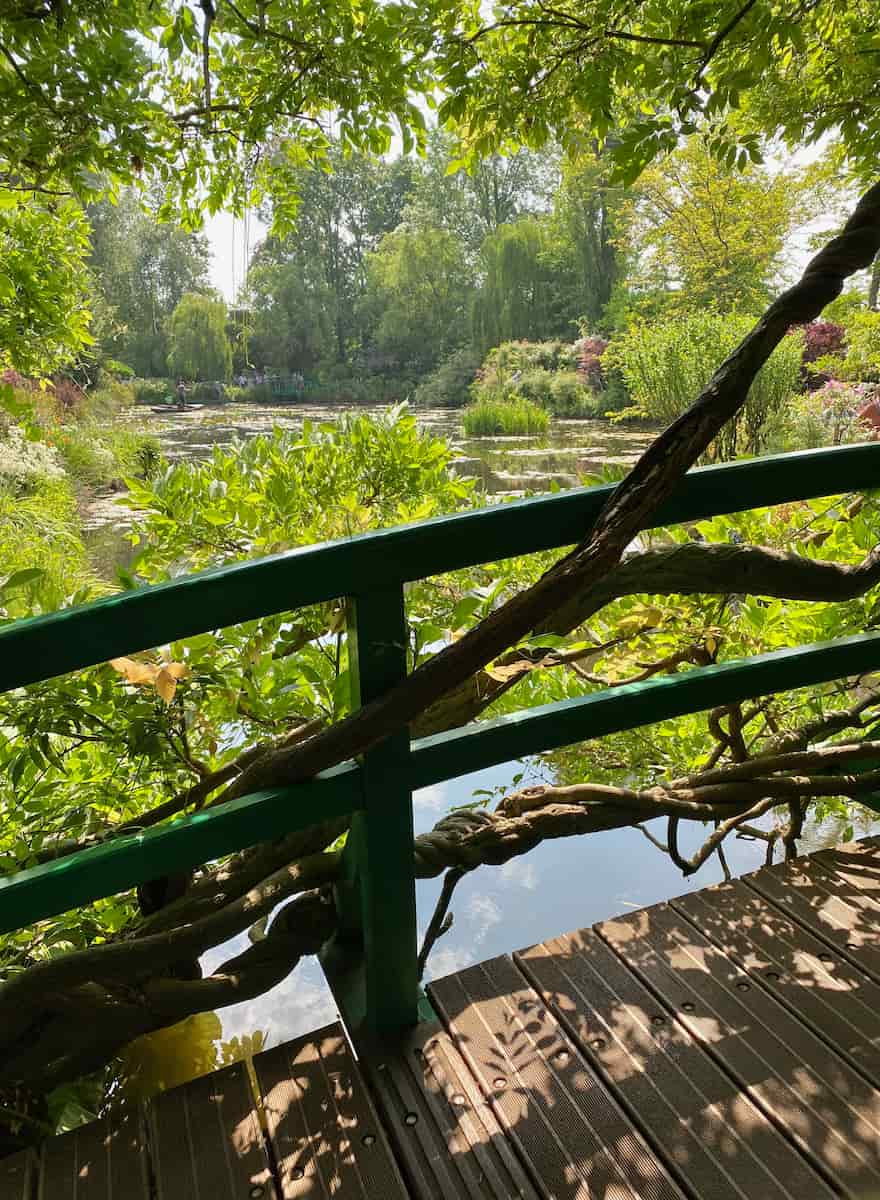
561 885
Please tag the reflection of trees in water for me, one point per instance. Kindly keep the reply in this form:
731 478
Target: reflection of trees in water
170 1057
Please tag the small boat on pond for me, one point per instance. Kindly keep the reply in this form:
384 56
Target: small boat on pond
176 410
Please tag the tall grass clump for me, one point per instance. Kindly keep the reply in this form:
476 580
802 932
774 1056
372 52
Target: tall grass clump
666 366
505 418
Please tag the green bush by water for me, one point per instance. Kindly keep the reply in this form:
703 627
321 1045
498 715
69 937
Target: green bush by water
666 366
507 418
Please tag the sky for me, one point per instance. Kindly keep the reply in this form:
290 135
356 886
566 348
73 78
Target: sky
226 237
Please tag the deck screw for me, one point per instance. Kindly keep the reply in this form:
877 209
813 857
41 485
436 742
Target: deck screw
561 1057
256 1191
597 1043
458 1100
368 1139
411 1118
743 986
500 1083
773 976
297 1173
658 1020
826 957
687 1006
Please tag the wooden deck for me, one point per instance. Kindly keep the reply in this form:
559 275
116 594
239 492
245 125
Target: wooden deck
723 1045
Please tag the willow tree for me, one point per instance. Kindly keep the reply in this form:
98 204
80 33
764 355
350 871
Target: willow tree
518 297
197 96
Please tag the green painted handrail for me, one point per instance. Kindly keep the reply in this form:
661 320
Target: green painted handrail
372 968
65 641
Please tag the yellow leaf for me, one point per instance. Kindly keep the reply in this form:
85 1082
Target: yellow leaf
176 670
142 674
166 685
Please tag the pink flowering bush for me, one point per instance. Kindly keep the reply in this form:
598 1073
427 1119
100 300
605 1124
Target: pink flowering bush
590 351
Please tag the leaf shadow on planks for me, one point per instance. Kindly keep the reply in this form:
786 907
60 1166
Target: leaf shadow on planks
720 1044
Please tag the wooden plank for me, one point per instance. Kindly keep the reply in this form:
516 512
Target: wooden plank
842 916
708 1133
568 1128
207 1142
839 1002
830 1111
446 1135
18 1176
326 1135
105 1160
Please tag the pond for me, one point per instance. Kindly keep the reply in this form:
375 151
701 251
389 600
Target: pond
560 886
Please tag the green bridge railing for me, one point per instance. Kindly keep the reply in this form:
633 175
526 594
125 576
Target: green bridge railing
373 967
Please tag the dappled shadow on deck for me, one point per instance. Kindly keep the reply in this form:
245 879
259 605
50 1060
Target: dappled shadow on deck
724 1045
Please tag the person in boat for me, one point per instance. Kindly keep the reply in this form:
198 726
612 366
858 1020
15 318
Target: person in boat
181 394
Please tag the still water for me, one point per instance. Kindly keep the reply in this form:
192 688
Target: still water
560 886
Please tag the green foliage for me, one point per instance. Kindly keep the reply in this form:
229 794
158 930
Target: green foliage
666 366
713 235
152 391
657 74
542 373
519 296
418 294
198 346
563 393
106 94
507 416
510 357
141 269
44 309
43 563
862 358
448 385
272 493
825 417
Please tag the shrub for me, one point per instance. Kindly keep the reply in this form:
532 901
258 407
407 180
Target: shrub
590 351
24 464
152 391
562 393
207 393
448 384
666 366
862 360
828 416
821 338
508 358
508 417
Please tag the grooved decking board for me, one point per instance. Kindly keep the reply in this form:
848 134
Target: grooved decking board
568 1128
447 1137
814 893
327 1137
816 1098
17 1176
206 1140
105 1160
839 1002
717 1141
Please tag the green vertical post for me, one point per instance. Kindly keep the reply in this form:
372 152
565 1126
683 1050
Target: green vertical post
378 903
